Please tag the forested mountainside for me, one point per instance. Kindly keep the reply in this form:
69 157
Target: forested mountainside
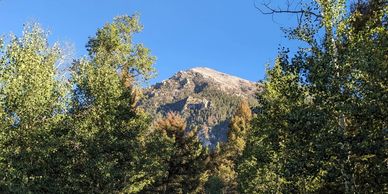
206 98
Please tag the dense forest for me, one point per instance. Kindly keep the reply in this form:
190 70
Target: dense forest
320 124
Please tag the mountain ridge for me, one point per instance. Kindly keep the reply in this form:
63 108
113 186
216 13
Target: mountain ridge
205 97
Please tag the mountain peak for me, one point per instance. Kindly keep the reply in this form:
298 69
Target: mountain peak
206 98
203 70
228 82
214 73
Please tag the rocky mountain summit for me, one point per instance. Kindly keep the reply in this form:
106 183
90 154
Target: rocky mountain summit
205 97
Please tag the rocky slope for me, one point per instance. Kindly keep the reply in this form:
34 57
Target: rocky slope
205 97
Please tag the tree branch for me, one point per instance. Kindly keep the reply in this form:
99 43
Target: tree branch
272 11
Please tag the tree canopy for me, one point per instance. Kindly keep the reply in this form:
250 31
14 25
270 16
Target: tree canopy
319 125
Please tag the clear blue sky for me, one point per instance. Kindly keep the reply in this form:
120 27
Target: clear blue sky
228 35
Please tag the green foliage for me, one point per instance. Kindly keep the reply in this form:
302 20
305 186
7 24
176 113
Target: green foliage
109 151
32 106
321 123
224 159
113 45
93 141
186 164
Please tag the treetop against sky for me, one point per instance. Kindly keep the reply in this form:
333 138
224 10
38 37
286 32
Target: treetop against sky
227 35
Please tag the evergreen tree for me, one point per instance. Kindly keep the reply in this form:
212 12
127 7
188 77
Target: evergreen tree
215 183
239 127
186 171
225 159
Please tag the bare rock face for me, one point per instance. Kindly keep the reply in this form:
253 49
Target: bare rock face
196 104
205 97
227 83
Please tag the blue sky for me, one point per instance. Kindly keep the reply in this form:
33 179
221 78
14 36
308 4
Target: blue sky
227 35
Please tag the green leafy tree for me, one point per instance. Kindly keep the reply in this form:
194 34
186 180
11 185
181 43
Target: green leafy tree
32 105
262 169
320 124
107 142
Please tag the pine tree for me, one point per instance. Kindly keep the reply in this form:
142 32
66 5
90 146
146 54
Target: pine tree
226 156
239 127
187 162
215 184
